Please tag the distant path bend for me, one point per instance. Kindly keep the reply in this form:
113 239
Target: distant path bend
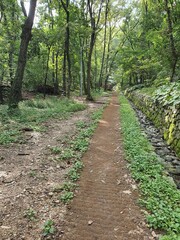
105 206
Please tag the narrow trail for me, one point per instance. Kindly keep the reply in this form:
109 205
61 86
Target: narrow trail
105 206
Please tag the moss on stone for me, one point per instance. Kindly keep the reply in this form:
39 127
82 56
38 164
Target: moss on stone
166 119
166 134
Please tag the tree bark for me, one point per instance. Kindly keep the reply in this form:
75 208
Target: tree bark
56 83
94 25
67 43
64 73
171 40
47 70
104 47
107 59
89 97
16 88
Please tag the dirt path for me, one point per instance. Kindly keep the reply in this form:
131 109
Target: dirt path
29 173
105 206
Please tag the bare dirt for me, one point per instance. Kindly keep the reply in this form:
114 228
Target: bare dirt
105 207
105 204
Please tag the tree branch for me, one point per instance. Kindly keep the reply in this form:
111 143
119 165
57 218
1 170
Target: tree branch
23 8
64 6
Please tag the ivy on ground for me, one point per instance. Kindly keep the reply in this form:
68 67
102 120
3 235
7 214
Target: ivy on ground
159 194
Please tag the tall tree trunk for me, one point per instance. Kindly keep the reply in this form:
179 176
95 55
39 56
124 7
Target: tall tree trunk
81 70
107 59
96 70
56 83
84 73
64 73
47 70
94 25
67 43
16 88
53 67
104 47
171 40
89 97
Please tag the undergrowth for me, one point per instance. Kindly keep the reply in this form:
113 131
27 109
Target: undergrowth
159 195
31 114
167 94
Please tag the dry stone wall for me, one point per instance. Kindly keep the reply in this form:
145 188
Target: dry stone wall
165 118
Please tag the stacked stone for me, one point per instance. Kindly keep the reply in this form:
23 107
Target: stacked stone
165 118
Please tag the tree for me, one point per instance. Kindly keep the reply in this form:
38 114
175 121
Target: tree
16 88
174 56
105 42
94 27
66 50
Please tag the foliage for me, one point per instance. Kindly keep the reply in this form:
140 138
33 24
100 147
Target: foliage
68 186
66 154
30 214
55 150
67 196
73 174
48 228
32 113
150 44
159 196
168 94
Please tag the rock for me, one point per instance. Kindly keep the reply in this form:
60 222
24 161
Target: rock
127 192
176 171
5 227
90 222
168 158
176 162
160 144
50 194
1 158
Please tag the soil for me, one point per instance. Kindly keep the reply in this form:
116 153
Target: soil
105 204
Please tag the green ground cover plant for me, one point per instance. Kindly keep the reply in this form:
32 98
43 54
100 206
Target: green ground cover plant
66 197
31 114
48 228
30 214
160 196
167 94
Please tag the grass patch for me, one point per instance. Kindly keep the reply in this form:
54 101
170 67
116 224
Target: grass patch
96 94
159 196
31 114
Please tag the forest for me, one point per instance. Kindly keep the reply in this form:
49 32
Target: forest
62 47
89 119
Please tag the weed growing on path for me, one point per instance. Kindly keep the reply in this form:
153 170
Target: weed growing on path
48 228
160 197
55 149
66 154
66 197
31 114
30 214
